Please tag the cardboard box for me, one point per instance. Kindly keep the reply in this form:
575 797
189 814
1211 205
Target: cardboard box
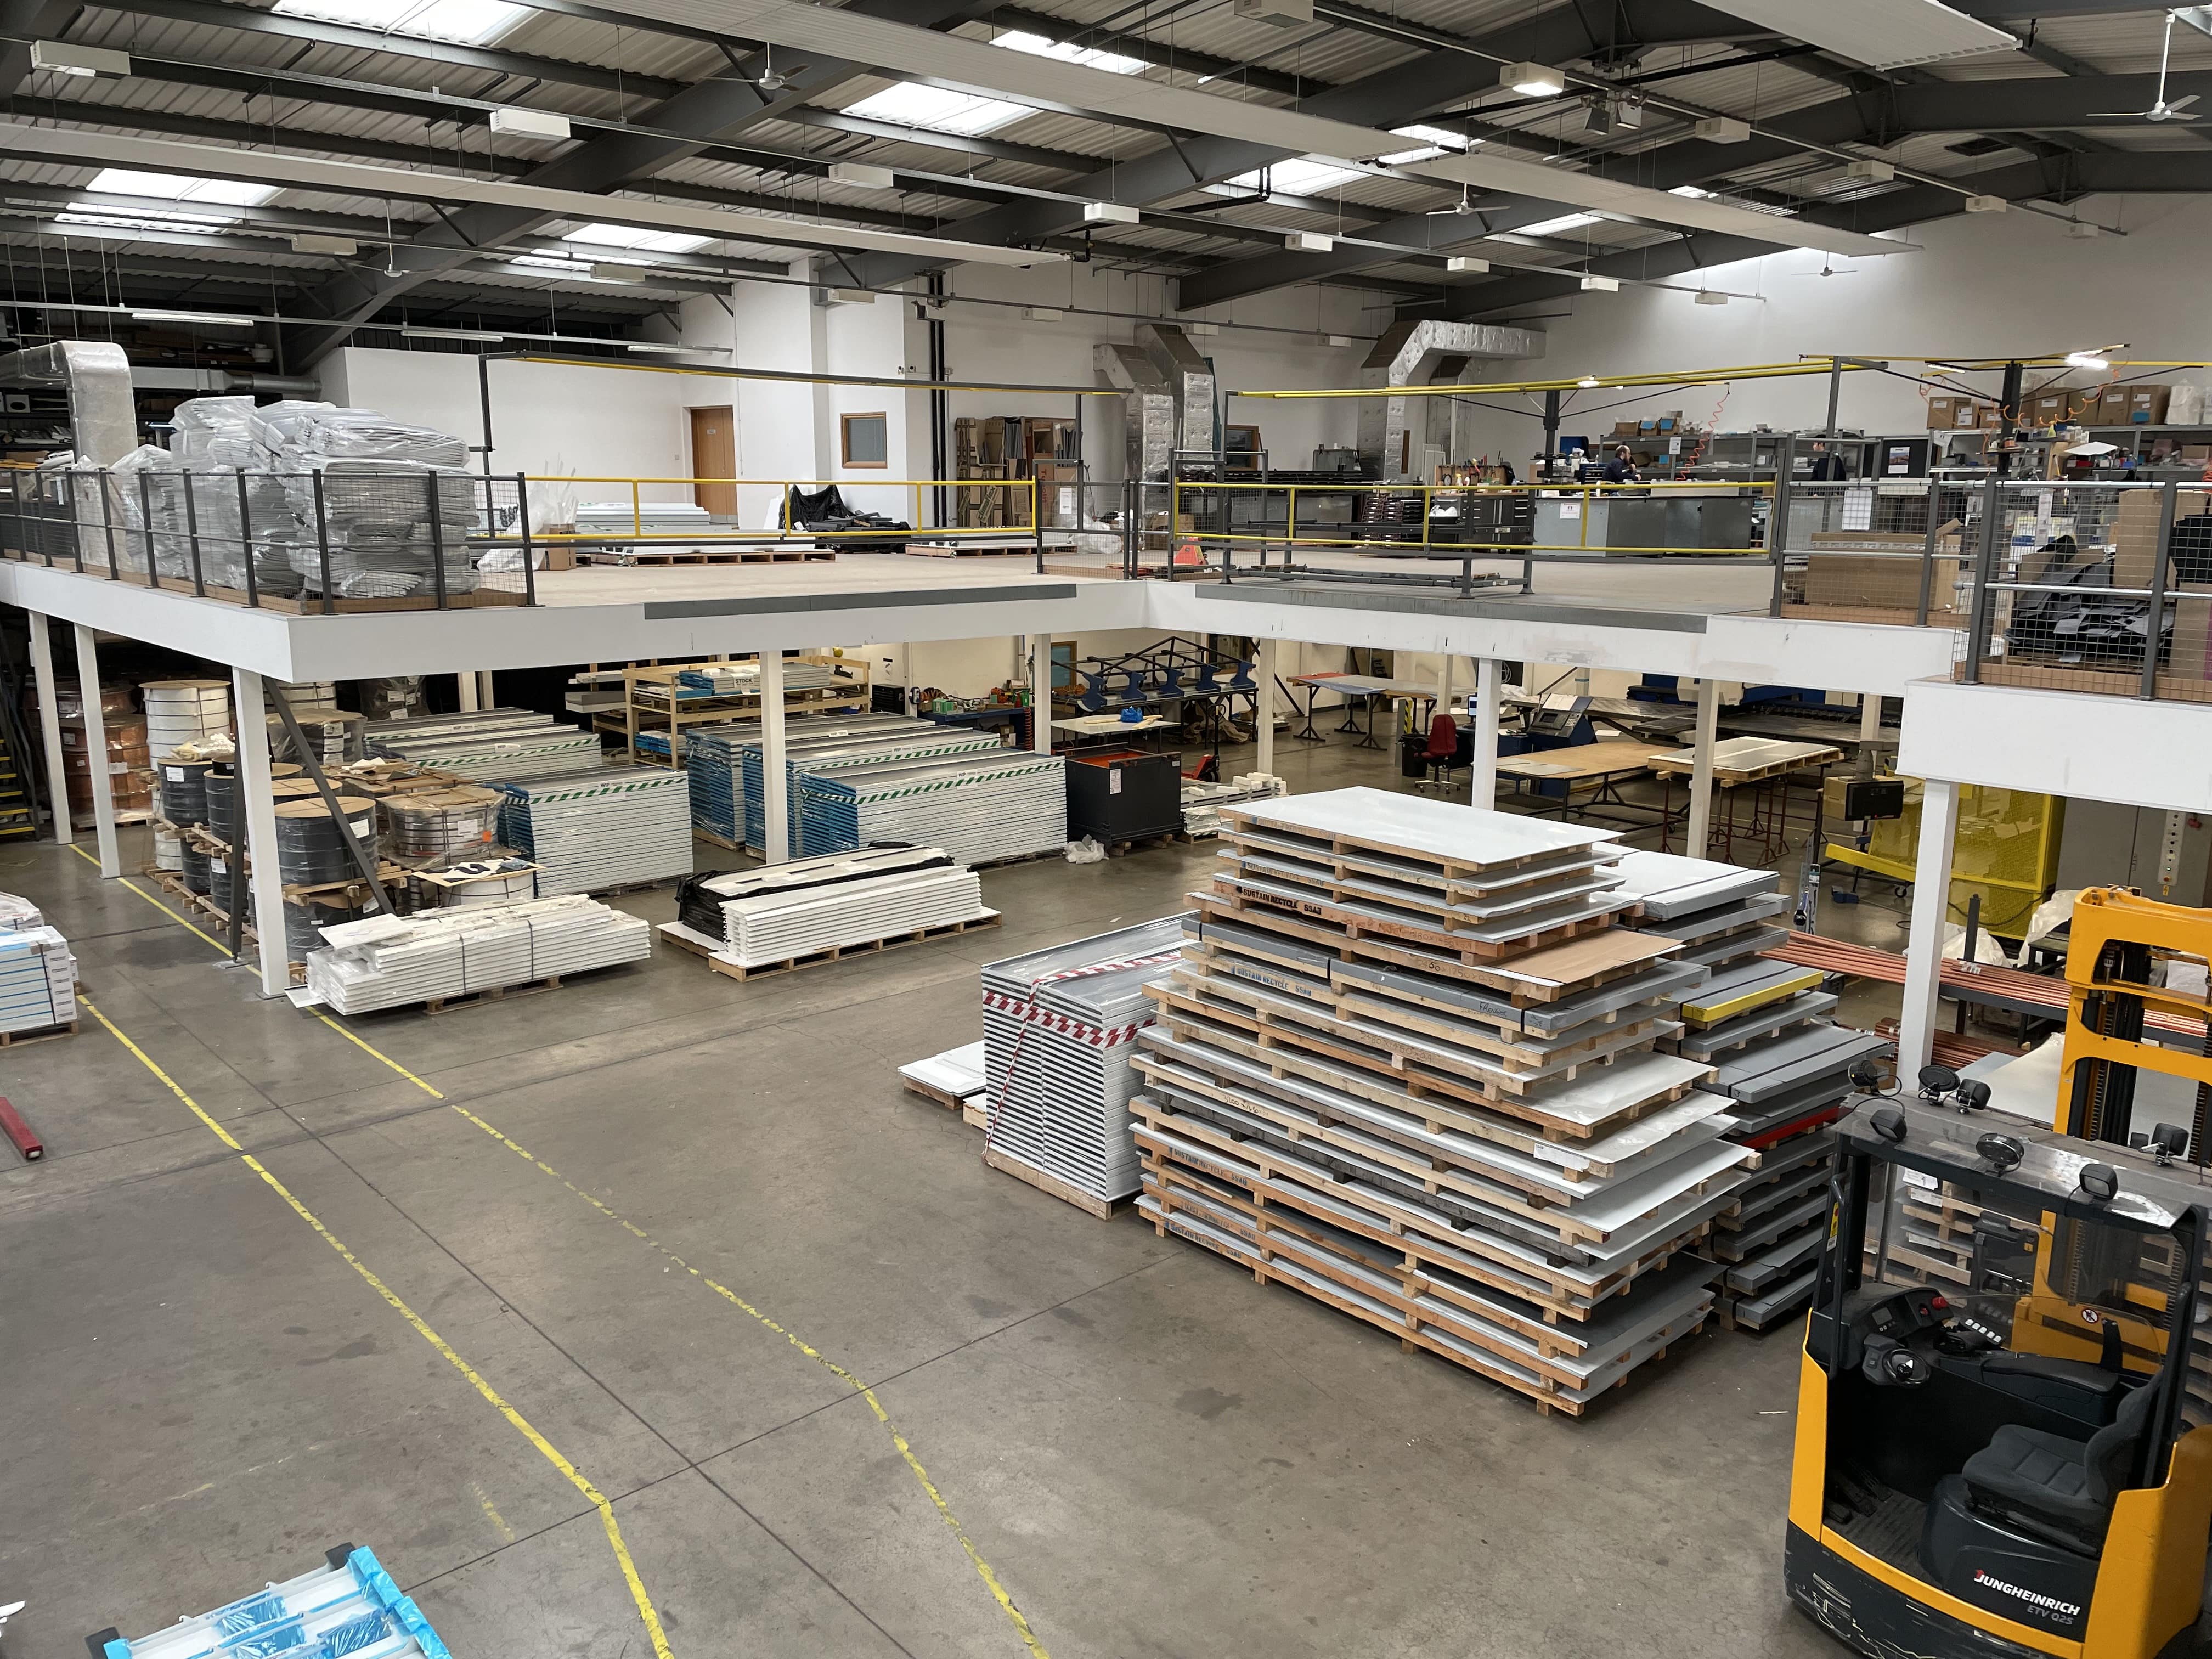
2050 409
1626 428
1989 417
2147 405
2135 534
2112 407
1939 413
1879 581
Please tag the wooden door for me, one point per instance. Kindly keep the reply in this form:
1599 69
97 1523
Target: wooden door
714 455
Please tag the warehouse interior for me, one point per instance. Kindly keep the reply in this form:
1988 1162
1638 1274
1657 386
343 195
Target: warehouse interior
1093 829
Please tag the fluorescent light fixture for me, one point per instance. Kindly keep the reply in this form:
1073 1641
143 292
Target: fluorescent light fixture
465 22
1565 222
1297 177
1723 129
656 347
221 320
1533 80
642 241
2083 230
1200 331
308 242
861 174
1434 142
1042 313
966 114
1707 296
1879 33
614 273
1465 264
1694 192
418 332
84 220
1068 52
1986 204
848 296
1109 213
62 58
1871 172
2087 360
1587 380
529 122
1601 285
1309 241
182 187
1338 340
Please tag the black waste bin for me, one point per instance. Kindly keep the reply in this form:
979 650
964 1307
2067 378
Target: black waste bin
1414 754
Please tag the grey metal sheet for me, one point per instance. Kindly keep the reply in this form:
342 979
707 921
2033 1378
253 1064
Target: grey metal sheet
1715 1042
1671 885
1417 825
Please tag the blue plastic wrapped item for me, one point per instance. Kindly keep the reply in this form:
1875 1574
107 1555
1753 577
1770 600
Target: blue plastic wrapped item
348 1609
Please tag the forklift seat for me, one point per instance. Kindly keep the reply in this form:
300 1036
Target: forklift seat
2054 1486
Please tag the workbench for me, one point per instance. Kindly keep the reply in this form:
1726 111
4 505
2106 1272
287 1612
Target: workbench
1752 780
1368 688
1605 764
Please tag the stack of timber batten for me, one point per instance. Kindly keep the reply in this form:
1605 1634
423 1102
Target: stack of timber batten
1406 1067
1780 1063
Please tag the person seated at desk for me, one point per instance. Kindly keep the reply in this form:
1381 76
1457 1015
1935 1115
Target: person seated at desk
1620 470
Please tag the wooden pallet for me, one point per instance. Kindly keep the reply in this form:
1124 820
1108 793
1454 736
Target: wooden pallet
1017 858
1122 850
709 555
37 1033
491 993
823 959
1089 1205
931 1092
1412 929
713 840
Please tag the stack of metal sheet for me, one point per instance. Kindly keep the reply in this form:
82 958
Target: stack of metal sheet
1202 802
817 755
980 808
1409 1065
390 962
612 826
1781 1066
712 756
742 679
1058 1030
501 745
754 918
38 980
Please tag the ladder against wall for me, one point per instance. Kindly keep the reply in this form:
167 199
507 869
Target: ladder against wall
15 816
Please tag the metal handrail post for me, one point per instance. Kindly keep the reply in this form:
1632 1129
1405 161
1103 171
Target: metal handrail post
146 533
1132 499
77 529
1927 559
437 541
1037 523
522 526
16 497
107 521
192 535
2155 623
246 540
1778 529
323 542
1986 558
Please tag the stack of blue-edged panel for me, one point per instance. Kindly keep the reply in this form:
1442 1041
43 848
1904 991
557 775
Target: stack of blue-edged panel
38 980
1782 1068
350 1606
612 826
711 759
980 808
814 756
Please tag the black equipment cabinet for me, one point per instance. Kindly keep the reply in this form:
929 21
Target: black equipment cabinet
1123 795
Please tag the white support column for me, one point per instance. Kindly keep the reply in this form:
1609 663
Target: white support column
258 813
775 838
465 682
1923 942
1263 721
49 726
1870 723
1701 773
486 697
1040 693
95 754
1444 684
1484 771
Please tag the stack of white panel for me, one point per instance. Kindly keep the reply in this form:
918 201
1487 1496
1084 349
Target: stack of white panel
631 518
38 980
1058 1031
812 905
388 962
609 827
180 712
498 746
812 756
979 808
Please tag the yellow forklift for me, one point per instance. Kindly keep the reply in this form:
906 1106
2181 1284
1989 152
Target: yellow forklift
2006 1365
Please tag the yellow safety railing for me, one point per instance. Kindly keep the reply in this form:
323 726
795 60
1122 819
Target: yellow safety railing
1584 494
786 530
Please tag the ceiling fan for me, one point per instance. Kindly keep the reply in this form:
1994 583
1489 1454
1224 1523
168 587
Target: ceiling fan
2160 110
773 79
1460 208
1827 269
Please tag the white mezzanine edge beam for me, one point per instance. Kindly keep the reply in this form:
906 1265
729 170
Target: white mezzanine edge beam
2121 749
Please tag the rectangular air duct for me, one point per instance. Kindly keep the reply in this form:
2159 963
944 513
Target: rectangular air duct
1189 378
1148 408
1397 434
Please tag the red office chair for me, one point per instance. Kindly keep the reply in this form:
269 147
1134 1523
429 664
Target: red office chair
1443 752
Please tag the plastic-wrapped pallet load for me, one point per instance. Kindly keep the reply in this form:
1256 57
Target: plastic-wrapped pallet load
818 757
1059 1029
752 919
1409 1066
980 808
712 756
390 962
38 980
613 826
1782 1067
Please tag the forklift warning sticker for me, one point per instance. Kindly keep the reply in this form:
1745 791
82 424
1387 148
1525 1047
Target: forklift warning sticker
2044 1603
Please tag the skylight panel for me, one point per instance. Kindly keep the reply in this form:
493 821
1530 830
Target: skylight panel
183 187
465 22
630 236
936 110
1435 142
1068 52
1296 177
1565 222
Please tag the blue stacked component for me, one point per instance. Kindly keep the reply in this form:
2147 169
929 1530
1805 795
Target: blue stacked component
349 1608
710 755
810 754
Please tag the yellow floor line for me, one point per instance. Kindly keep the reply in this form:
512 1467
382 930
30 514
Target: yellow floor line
126 881
521 1423
905 1451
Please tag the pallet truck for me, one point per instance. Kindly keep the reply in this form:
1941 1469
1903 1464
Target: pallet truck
1999 1445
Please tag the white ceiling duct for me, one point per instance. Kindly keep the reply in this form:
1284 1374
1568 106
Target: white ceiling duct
361 179
1879 33
978 66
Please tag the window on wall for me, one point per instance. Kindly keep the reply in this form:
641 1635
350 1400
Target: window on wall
867 441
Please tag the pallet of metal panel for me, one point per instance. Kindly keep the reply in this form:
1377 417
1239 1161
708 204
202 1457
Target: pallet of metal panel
1659 982
1714 1043
1427 1064
1649 1097
1562 1355
608 827
1452 884
1492 941
1548 1398
1730 950
1770 1307
1810 1148
1667 886
1782 1259
1456 840
1522 1054
1739 990
1543 974
1540 1196
1242 859
1722 920
951 1078
1791 1060
1809 1204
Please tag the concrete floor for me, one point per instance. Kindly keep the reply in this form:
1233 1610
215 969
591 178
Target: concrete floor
1153 1455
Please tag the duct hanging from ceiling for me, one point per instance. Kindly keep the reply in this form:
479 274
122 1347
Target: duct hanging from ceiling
1404 438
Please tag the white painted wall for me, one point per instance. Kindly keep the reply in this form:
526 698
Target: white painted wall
1988 284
